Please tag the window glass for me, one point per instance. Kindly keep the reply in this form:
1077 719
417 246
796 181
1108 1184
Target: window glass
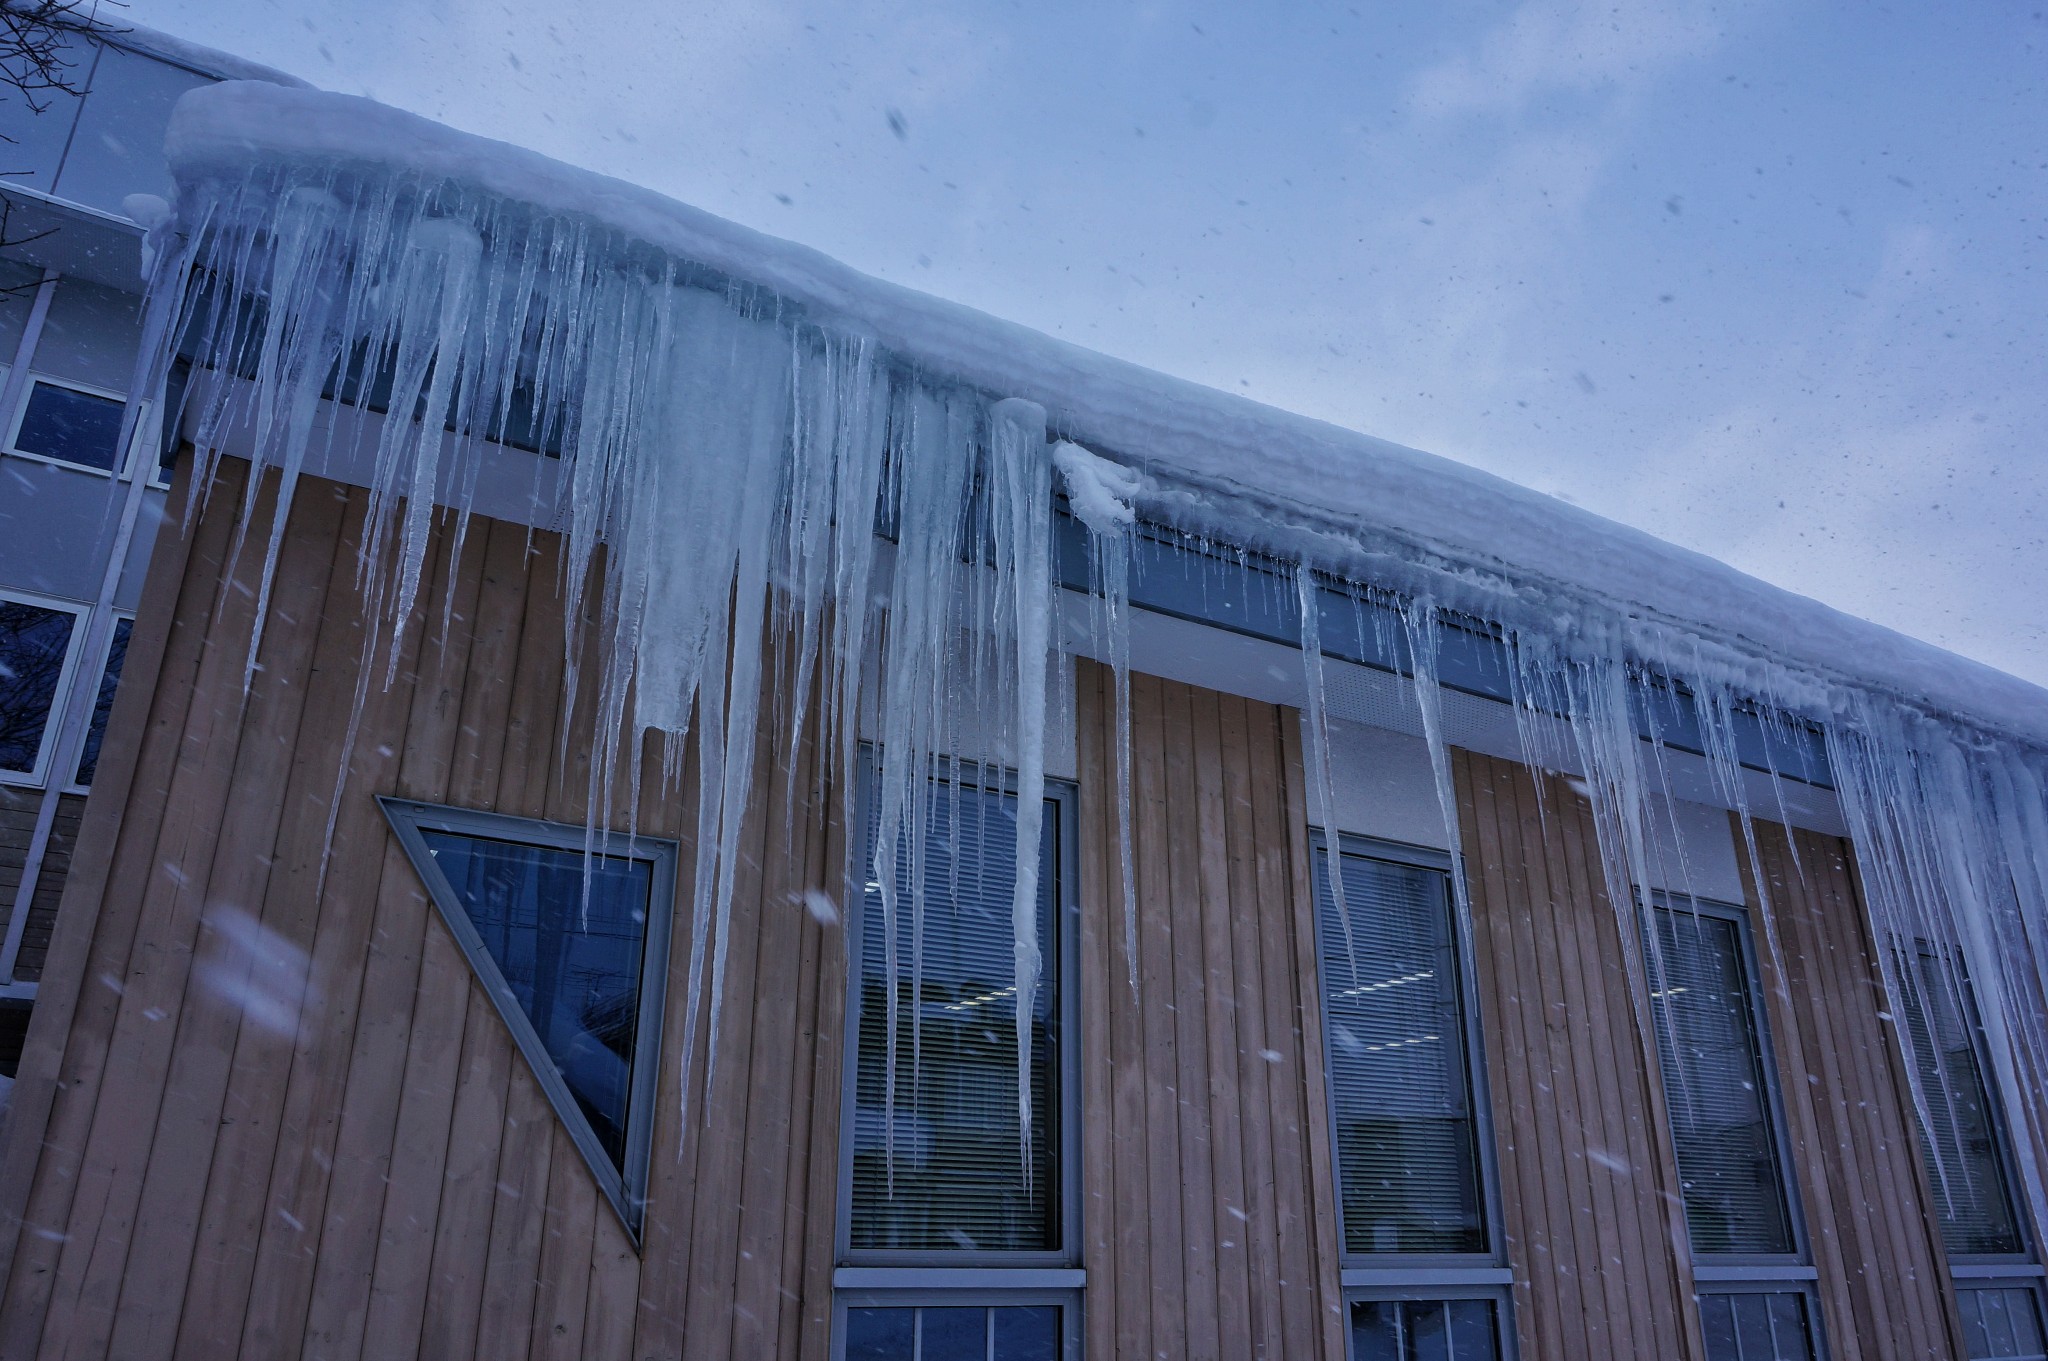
573 962
2002 1323
33 644
1714 1084
937 1163
1960 1139
1424 1330
77 427
1757 1326
1399 1074
110 680
954 1333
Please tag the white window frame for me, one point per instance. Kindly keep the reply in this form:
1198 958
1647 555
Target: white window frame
1731 1273
38 776
124 461
882 1276
106 651
1424 1278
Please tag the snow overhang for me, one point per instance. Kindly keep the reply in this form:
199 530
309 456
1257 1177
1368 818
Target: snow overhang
1220 463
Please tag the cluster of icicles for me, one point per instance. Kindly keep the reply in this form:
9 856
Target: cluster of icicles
759 476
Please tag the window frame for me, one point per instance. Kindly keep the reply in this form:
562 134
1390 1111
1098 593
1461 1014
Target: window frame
1749 1273
115 618
927 1269
1423 1277
625 1189
892 1296
39 775
124 459
2022 1270
1501 1295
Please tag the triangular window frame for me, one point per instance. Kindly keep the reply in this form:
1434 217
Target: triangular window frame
626 1189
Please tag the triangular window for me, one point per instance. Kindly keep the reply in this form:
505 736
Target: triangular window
572 946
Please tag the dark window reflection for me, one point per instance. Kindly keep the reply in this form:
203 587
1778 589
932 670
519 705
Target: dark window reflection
1424 1330
77 427
33 644
572 961
1756 1326
110 681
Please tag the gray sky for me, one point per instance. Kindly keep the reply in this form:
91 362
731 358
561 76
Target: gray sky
1766 279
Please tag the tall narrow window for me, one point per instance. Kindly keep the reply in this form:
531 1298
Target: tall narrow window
1714 1051
1419 1259
936 1171
1996 1277
36 643
103 704
572 948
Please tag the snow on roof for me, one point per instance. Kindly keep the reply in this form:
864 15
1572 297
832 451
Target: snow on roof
1246 470
207 61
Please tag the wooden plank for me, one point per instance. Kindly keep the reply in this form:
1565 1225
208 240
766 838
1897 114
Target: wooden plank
240 1009
1101 895
1303 984
1225 1191
47 1122
199 836
1263 1265
1517 1056
794 842
564 1277
237 1221
1559 1009
818 1205
377 1235
469 1184
1190 1042
1161 1208
518 1220
1131 1145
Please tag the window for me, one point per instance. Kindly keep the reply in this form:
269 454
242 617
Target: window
70 425
572 946
1027 1326
103 705
1422 1272
1968 1172
37 643
934 1180
1749 1258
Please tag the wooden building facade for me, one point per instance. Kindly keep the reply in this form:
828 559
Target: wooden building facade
268 1108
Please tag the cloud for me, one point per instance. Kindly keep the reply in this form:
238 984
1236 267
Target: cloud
1547 46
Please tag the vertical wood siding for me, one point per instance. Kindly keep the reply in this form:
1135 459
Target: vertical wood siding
1588 1181
1883 1275
364 1166
1209 1205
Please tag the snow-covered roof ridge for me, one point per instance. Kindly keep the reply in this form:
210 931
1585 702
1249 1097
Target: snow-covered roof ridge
169 47
1312 479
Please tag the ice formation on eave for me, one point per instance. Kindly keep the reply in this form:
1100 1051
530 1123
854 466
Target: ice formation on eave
738 416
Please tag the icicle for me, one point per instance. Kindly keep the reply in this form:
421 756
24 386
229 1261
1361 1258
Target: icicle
1020 520
1317 716
1419 621
1101 495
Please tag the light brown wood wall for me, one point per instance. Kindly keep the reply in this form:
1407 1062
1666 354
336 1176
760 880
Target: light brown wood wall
1208 1199
377 1174
1587 1178
1883 1275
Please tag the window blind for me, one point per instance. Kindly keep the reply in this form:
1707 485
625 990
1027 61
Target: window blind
937 1163
1714 1084
1960 1139
1399 1080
